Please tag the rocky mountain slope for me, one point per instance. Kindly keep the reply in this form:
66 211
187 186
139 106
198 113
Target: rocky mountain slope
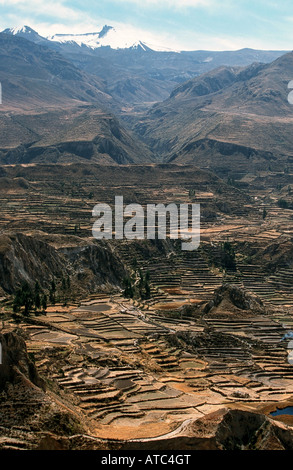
53 111
34 76
230 118
81 133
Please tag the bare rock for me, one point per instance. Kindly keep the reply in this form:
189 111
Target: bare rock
231 297
16 364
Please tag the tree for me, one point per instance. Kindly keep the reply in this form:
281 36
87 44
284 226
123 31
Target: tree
141 284
147 285
52 292
37 297
283 203
24 297
44 302
17 301
63 284
128 288
37 301
228 257
264 213
52 297
144 285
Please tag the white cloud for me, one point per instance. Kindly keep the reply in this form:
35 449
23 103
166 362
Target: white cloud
57 16
56 9
170 3
47 17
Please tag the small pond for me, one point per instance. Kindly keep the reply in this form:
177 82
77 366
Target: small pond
283 411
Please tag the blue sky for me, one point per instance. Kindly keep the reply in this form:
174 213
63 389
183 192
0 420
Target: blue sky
183 24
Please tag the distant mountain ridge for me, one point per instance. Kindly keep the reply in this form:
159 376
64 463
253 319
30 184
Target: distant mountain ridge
108 36
137 73
59 101
123 37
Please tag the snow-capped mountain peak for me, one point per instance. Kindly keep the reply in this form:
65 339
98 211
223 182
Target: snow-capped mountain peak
118 37
20 29
107 36
26 32
115 37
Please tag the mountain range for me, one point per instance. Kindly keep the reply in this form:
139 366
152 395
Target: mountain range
137 73
65 100
108 36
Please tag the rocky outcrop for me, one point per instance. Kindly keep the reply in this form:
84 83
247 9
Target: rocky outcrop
223 430
15 364
25 259
95 264
29 259
230 297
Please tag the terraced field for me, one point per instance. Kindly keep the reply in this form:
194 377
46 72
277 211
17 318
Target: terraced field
137 368
128 371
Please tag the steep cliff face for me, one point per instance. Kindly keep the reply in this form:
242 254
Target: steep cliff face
15 364
24 258
29 259
94 264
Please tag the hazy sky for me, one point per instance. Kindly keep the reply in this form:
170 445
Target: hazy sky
181 24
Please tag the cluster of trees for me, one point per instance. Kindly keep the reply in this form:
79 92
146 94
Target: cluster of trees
128 285
137 286
144 288
63 290
28 298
